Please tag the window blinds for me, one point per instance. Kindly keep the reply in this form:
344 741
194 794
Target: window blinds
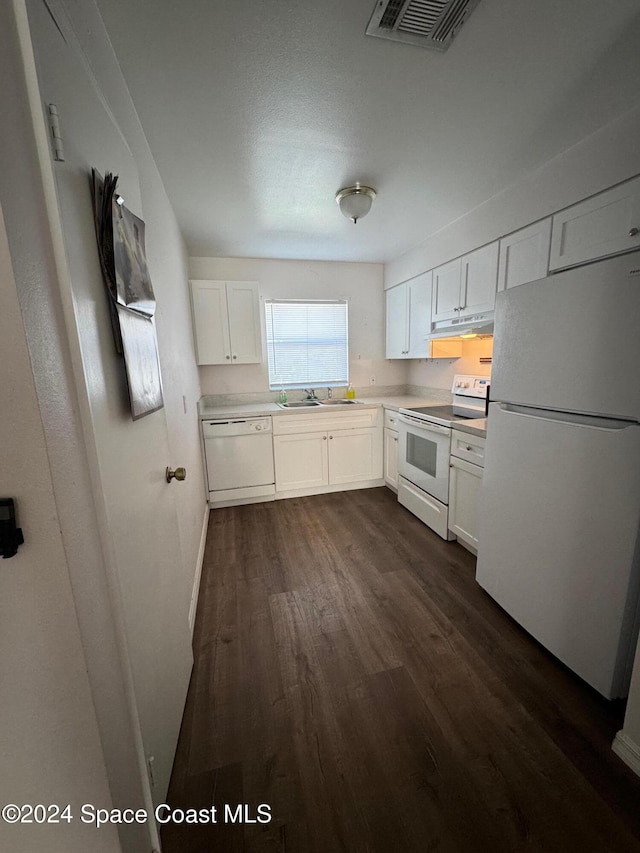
307 343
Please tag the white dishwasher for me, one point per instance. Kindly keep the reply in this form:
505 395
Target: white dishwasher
239 458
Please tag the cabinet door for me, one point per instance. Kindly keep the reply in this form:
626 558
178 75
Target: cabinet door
210 322
354 455
301 461
397 322
419 310
391 458
464 491
479 280
524 256
606 224
446 291
243 301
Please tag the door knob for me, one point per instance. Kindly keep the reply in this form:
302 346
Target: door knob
634 232
178 474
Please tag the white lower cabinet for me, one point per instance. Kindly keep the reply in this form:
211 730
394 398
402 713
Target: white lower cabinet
464 489
390 467
301 461
347 452
465 481
354 455
391 458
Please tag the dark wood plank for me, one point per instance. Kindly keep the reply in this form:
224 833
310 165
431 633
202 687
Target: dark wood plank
350 673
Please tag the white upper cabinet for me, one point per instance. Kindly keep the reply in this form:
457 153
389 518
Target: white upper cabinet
226 320
467 285
396 320
419 290
446 291
479 280
524 255
606 224
408 318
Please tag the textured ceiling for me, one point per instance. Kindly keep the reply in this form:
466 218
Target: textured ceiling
258 111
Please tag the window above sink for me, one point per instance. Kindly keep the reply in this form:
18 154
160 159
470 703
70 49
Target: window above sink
307 344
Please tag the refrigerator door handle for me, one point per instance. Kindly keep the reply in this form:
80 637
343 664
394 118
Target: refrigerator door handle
570 418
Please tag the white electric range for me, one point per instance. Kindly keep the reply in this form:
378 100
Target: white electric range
424 446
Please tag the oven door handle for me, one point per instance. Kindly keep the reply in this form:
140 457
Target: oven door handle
424 425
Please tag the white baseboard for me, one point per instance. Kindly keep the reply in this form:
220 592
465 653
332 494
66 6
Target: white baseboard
196 581
628 751
240 501
325 490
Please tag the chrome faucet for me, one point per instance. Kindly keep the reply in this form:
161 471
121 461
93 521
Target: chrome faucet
311 393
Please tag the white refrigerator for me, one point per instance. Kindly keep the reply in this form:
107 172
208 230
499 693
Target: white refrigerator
560 509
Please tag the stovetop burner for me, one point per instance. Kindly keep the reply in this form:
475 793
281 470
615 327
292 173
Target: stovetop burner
469 401
444 415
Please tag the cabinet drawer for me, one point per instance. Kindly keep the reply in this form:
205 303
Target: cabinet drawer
468 447
321 419
391 419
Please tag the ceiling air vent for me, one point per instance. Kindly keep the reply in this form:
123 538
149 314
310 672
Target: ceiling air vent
426 23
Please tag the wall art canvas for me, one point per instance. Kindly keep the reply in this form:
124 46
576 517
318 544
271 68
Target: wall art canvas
121 247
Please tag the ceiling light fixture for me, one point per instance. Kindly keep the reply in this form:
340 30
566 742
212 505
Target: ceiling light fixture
355 202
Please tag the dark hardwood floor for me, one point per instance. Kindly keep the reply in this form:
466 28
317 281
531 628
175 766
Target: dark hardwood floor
351 674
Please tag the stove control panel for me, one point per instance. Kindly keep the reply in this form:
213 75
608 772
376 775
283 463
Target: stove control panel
471 386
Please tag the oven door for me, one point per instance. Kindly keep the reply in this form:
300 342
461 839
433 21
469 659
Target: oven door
423 455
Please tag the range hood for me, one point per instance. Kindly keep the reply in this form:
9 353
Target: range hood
478 324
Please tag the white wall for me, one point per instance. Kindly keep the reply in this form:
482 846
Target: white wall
360 284
23 198
168 261
139 512
608 156
95 471
439 373
49 736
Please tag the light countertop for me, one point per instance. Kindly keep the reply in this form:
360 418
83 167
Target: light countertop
477 426
474 426
246 410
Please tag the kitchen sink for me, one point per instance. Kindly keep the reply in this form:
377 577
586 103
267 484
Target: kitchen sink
337 402
299 404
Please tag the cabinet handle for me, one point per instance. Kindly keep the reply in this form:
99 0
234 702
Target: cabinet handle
331 436
227 356
634 231
396 440
470 449
324 437
235 356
